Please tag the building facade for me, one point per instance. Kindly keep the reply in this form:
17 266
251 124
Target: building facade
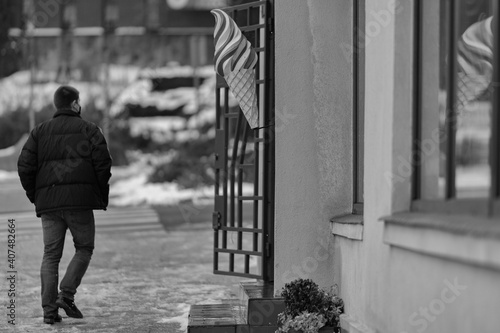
73 34
386 160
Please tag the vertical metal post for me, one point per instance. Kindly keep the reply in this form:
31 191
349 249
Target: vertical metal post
257 15
240 193
109 16
269 143
234 160
32 55
61 68
217 173
105 122
28 32
67 20
417 95
495 121
195 50
256 193
232 180
105 83
451 117
225 172
355 97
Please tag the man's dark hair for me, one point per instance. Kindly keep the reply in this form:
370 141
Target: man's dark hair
64 96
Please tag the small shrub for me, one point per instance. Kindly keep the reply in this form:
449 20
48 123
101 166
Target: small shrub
14 124
308 308
190 167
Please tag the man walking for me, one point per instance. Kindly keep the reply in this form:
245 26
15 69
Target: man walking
64 168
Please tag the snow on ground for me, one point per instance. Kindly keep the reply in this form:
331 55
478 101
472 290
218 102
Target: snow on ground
204 117
174 70
133 85
16 91
172 129
136 191
7 151
7 175
138 281
129 186
158 124
140 92
182 319
127 84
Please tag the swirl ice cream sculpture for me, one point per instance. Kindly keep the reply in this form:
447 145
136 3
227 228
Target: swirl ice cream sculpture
475 61
235 61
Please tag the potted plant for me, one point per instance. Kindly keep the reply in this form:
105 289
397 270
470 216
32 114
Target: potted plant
309 309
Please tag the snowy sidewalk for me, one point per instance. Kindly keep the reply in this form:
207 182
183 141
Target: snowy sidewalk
138 281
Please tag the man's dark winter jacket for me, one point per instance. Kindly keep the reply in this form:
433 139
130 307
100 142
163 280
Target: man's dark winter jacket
65 165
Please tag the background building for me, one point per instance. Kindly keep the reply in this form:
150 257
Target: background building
70 35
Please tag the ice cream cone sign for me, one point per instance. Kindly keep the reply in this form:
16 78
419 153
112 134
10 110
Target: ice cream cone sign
235 61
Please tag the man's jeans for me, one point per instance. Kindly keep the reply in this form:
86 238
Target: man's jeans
82 227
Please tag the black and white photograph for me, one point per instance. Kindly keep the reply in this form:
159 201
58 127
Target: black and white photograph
250 166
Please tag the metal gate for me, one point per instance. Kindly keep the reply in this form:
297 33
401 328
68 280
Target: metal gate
243 218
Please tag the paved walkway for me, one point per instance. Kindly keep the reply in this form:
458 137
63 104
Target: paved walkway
143 277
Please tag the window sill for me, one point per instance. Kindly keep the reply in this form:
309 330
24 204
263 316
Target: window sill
348 226
467 239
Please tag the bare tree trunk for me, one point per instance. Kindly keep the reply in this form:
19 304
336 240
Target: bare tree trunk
9 61
4 33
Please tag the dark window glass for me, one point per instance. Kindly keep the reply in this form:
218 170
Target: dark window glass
455 109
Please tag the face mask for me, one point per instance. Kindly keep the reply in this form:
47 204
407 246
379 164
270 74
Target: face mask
79 108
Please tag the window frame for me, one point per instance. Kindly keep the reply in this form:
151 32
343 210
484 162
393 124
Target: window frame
487 206
358 107
350 225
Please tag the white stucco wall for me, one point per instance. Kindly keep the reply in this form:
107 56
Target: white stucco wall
388 289
313 134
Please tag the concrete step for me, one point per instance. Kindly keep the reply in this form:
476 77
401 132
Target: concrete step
262 308
215 318
254 311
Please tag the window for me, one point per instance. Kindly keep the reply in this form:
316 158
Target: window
351 225
456 126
